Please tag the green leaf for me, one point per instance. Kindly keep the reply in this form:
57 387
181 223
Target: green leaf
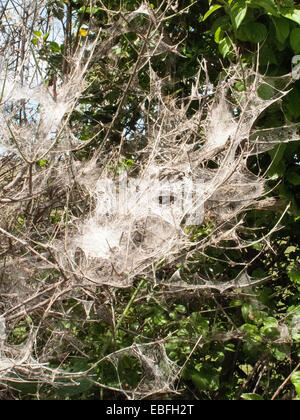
199 323
210 11
222 21
290 250
270 332
293 177
292 14
239 87
252 332
282 27
265 91
268 5
248 328
219 34
277 153
275 173
295 379
292 103
247 315
252 32
270 322
25 387
280 351
207 379
252 397
267 55
236 303
294 275
180 308
83 384
37 33
259 273
225 46
252 349
54 46
295 40
237 14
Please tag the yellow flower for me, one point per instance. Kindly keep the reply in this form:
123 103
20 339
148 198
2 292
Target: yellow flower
83 32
